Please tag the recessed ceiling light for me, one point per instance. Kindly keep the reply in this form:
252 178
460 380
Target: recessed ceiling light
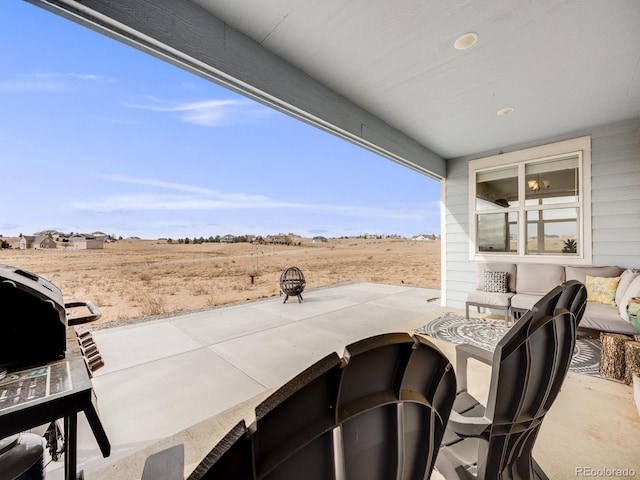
466 40
504 111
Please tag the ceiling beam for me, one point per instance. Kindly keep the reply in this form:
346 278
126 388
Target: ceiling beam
186 35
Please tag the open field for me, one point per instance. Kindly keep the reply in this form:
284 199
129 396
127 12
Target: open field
139 278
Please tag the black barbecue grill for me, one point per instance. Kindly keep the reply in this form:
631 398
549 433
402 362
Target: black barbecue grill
33 320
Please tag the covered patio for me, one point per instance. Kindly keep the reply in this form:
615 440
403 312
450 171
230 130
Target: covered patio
190 378
468 93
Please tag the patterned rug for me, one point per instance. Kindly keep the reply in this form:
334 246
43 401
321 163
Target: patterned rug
486 333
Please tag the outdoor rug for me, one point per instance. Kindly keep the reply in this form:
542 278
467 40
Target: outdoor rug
486 333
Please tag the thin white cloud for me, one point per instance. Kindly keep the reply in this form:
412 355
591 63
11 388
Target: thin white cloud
46 82
209 113
8 226
68 75
185 188
198 198
28 86
189 86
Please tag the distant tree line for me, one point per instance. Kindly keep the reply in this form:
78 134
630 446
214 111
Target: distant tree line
259 239
210 239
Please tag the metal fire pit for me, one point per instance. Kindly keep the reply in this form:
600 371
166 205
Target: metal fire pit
292 283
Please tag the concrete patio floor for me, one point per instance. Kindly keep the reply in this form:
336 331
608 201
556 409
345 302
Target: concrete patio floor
189 378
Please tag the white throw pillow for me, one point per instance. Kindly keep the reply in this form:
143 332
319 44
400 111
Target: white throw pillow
632 291
625 280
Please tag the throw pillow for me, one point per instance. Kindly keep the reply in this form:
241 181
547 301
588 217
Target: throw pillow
625 280
602 289
633 290
495 281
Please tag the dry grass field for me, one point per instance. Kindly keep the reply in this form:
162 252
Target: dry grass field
138 278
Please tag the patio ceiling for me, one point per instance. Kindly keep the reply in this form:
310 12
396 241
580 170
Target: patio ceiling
386 74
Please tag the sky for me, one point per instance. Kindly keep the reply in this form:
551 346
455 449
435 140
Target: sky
98 136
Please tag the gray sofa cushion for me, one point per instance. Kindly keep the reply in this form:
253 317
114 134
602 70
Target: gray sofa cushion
490 298
524 301
580 273
605 318
538 279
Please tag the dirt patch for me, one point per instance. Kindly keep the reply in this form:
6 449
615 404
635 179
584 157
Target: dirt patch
138 278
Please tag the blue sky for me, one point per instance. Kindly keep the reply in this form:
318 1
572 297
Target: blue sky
97 136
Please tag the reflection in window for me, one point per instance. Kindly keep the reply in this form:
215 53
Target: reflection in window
498 232
497 188
552 231
551 182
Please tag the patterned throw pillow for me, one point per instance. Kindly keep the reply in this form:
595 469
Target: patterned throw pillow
602 289
495 281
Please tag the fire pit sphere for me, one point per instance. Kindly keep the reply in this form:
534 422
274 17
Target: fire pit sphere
292 283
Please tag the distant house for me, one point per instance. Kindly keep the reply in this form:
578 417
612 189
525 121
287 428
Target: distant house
228 239
422 237
319 239
86 242
101 236
35 242
276 239
26 241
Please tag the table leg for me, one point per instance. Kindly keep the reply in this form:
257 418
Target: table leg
71 446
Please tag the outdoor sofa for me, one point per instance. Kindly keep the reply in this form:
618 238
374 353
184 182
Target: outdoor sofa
514 288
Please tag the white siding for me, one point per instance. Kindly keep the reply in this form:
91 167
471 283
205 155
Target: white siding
460 272
615 187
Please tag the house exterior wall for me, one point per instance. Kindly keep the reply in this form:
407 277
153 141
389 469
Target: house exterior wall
88 244
95 244
615 206
47 243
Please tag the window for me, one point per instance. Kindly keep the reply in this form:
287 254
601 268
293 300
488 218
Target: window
533 204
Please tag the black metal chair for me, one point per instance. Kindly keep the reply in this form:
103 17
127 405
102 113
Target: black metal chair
379 412
529 366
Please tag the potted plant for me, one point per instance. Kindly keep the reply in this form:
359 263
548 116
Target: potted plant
570 246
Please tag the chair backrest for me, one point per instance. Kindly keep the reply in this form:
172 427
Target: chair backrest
529 366
574 298
377 413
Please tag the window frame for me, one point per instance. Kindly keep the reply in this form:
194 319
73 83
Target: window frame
519 158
